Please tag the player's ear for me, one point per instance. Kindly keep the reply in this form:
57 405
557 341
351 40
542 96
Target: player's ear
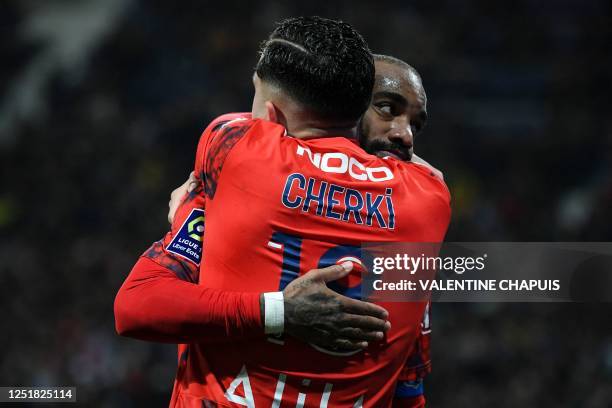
271 112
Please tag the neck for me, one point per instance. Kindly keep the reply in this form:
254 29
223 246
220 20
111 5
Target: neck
302 123
306 126
313 132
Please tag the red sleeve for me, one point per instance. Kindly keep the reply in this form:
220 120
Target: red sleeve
160 299
418 363
154 304
416 368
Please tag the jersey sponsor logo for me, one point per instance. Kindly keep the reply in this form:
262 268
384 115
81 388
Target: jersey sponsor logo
187 243
338 162
340 203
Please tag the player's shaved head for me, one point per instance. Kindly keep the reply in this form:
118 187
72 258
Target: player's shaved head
411 74
322 64
398 110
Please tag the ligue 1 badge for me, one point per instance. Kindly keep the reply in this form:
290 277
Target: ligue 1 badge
187 243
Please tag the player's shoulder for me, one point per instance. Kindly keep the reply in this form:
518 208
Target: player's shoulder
241 123
422 162
227 124
426 174
229 119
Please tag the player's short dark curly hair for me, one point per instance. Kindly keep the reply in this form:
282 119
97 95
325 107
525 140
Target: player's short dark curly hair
323 64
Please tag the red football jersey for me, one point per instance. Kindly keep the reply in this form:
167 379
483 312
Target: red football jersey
277 207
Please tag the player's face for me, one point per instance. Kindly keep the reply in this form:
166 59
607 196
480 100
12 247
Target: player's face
397 113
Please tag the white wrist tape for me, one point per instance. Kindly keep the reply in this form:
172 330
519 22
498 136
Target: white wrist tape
274 312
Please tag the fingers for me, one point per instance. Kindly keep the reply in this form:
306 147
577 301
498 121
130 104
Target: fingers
177 195
188 186
335 342
353 333
365 323
341 339
331 273
359 307
192 182
348 345
182 189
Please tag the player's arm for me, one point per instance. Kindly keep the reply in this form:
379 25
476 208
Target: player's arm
409 390
154 304
161 301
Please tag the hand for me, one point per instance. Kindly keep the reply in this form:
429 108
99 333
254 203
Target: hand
177 195
318 315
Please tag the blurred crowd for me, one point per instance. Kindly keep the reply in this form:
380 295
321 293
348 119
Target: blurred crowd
102 104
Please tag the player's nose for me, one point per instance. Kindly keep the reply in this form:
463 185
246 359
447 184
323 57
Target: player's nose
401 132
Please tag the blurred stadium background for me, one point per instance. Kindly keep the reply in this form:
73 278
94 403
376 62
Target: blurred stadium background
101 106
